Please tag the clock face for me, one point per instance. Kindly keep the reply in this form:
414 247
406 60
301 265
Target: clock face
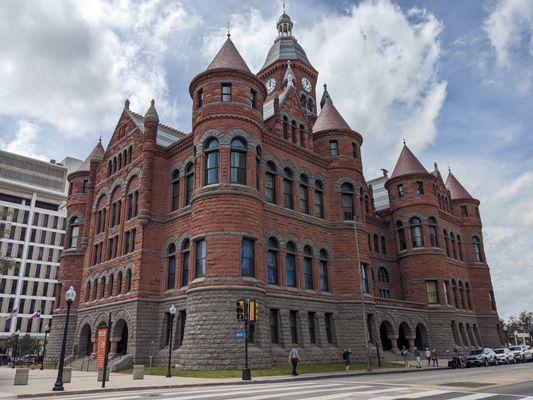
306 84
271 85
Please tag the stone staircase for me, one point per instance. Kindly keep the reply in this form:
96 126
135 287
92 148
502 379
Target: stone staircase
88 363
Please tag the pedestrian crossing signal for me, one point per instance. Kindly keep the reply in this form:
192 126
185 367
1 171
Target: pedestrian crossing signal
240 310
253 311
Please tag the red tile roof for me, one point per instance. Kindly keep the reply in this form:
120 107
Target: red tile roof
229 57
457 191
330 119
408 164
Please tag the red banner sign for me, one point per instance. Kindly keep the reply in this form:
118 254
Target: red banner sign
101 342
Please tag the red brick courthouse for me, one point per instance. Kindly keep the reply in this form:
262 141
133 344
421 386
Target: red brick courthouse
259 200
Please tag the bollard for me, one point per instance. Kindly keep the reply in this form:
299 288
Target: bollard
101 374
67 374
21 376
138 371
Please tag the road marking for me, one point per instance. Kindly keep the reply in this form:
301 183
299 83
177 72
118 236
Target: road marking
411 395
475 396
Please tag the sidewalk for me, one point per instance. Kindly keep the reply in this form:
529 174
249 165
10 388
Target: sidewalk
41 382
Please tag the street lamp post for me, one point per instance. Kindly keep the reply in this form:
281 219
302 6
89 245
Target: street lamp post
171 314
70 296
17 334
46 330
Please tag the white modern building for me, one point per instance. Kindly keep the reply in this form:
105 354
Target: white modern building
32 213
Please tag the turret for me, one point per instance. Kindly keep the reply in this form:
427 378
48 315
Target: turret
151 125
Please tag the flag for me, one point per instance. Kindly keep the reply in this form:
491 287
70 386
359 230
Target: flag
12 314
35 315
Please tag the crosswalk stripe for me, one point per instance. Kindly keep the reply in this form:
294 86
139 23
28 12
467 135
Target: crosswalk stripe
475 396
364 392
412 395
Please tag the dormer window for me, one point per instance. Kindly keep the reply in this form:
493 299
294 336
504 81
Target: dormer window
400 191
253 98
226 92
464 212
420 187
200 98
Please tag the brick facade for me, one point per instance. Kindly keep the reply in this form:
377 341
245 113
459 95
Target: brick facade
158 197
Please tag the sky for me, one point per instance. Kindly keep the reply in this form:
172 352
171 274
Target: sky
452 77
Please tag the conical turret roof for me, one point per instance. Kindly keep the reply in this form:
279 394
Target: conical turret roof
408 164
329 118
457 191
228 57
97 154
151 114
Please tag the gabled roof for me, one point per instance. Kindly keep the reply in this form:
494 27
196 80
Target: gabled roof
408 164
457 191
166 135
228 57
97 154
329 118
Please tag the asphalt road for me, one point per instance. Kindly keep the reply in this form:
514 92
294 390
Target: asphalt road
506 382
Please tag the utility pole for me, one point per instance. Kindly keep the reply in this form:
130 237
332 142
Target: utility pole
246 373
107 347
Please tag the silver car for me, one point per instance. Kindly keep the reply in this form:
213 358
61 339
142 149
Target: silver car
521 353
504 356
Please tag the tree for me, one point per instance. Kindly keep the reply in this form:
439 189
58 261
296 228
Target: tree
523 323
26 345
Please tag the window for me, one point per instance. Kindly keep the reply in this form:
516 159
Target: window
383 275
304 194
182 322
171 266
319 199
328 319
446 292
253 98
293 322
115 213
461 295
110 286
452 241
384 293
226 92
308 268
455 294
354 150
311 322
323 271
476 246
293 131
290 264
285 127
432 293
417 238
270 182
175 190
95 289
446 242
247 257
302 135
212 161
400 191
460 247
274 325
88 291
185 262
492 301
189 183
238 161
364 278
376 243
102 288
433 238
128 280
383 245
468 295
200 98
119 282
200 260
85 188
347 193
333 148
477 212
74 232
287 189
129 241
133 204
272 261
464 212
401 235
420 187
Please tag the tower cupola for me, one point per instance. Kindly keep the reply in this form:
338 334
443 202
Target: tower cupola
284 25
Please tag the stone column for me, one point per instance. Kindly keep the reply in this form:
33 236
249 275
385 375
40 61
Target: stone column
113 347
394 342
411 340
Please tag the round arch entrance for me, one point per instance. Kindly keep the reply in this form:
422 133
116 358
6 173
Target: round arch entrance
421 339
85 344
386 330
404 334
121 330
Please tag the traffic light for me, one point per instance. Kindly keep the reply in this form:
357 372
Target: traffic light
240 310
253 311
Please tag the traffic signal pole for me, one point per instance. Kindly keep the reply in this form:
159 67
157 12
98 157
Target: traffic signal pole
246 373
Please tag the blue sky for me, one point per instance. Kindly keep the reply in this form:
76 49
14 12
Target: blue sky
454 78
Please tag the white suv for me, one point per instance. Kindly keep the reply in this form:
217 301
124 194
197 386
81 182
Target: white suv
504 356
521 353
485 356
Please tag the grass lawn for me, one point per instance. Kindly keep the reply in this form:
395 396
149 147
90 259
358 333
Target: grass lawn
276 371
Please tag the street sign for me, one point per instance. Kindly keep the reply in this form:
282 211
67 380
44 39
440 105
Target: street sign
241 334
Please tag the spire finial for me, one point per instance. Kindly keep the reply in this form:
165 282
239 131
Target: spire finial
283 7
228 34
449 169
325 96
100 138
404 139
127 104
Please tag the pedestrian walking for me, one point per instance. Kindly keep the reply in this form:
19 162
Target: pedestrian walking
428 356
434 357
346 358
405 356
294 358
417 358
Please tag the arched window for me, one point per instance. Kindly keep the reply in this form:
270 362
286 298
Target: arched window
452 242
212 161
130 149
95 289
476 247
88 291
376 243
468 295
460 247
383 245
287 189
433 237
285 127
257 167
401 235
272 261
323 271
302 135
383 275
293 131
189 183
347 191
303 100
446 242
417 238
110 285
319 199
175 190
119 282
270 182
290 264
74 232
238 161
455 294
185 260
102 287
128 280
120 161
171 266
310 104
109 168
308 268
462 295
304 194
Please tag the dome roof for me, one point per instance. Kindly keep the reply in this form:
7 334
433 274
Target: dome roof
407 164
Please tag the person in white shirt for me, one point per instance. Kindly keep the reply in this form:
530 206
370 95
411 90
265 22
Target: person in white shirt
428 356
294 357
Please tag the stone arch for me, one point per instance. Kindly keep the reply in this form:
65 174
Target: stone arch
346 179
119 183
404 335
275 234
306 172
251 143
85 342
266 158
421 336
318 177
104 192
172 239
80 216
323 246
422 217
189 160
288 164
121 336
210 133
386 334
135 172
184 236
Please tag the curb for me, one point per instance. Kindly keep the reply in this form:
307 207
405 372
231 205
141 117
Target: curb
261 380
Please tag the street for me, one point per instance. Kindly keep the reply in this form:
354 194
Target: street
498 383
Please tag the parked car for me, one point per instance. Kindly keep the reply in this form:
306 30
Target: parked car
479 357
521 353
504 356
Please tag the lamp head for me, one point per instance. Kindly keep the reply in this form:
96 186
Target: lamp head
70 295
18 332
172 310
47 329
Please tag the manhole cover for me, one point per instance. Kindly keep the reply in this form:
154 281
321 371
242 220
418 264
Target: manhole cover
466 384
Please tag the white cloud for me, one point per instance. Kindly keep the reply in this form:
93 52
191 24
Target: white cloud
509 23
25 141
